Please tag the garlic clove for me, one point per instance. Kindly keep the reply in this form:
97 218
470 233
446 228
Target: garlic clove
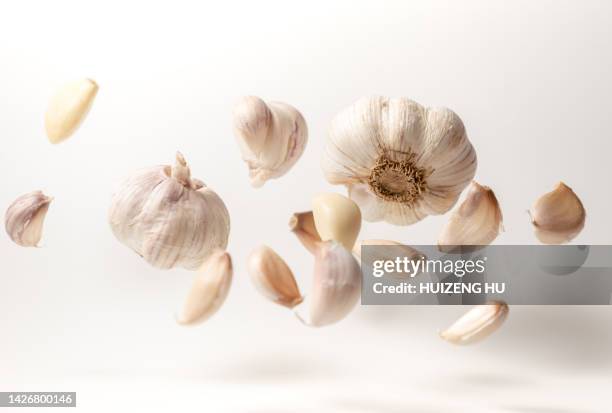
477 221
209 290
336 218
273 277
389 253
336 285
558 216
303 226
477 323
271 136
25 217
68 108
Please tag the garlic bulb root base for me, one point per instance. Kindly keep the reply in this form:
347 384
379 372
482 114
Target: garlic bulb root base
398 181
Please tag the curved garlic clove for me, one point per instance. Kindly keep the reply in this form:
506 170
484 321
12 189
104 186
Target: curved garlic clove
168 218
477 323
337 218
25 217
302 224
336 285
399 160
209 290
558 216
273 277
272 137
477 221
68 107
386 254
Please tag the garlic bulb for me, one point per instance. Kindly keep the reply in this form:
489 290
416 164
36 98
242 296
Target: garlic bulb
168 218
399 160
209 289
272 137
273 277
558 216
336 286
477 323
68 107
477 221
24 218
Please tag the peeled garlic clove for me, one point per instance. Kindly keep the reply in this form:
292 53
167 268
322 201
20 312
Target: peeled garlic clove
68 107
25 217
272 137
400 161
209 289
477 221
558 216
303 226
336 218
168 218
273 277
477 323
336 284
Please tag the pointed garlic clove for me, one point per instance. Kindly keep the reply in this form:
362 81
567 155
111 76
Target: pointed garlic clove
68 107
477 221
25 217
387 254
271 136
209 289
558 216
336 285
302 224
337 218
273 277
477 323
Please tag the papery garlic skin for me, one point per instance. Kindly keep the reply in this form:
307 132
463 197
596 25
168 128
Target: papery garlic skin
558 216
68 108
477 324
272 137
399 160
168 218
336 218
272 277
302 224
477 221
209 289
336 286
25 217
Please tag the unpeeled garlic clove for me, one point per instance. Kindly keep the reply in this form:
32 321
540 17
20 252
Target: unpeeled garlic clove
558 216
272 137
303 226
387 254
477 323
68 107
336 218
477 221
273 277
209 290
25 217
336 285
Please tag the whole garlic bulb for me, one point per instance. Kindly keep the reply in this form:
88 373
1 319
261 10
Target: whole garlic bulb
399 160
272 137
168 218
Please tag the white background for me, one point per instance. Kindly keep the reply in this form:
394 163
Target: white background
530 79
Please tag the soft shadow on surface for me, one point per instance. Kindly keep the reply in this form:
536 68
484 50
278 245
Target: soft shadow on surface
359 405
527 409
493 381
270 368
